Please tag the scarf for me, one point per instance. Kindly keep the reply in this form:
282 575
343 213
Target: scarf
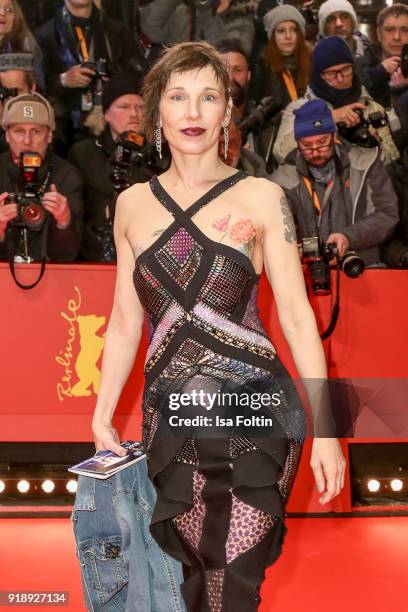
336 97
323 174
92 28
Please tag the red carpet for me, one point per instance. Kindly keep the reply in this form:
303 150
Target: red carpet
328 565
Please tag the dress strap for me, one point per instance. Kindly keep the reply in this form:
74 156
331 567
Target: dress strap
215 191
176 210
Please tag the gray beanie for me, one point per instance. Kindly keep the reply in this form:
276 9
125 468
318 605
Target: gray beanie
334 6
16 61
285 12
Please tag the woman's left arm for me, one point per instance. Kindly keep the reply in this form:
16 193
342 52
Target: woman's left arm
285 275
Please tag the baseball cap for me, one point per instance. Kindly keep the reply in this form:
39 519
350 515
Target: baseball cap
28 108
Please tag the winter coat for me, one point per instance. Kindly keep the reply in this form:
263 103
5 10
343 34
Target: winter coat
285 141
124 53
92 157
397 246
62 244
168 22
363 203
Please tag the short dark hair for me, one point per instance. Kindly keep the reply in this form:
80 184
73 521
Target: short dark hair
396 10
231 45
177 59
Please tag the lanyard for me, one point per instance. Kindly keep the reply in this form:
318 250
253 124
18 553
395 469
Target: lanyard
82 44
319 207
290 85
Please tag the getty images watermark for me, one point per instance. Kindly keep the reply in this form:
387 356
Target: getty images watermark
222 400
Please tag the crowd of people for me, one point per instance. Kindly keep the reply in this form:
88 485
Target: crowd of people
319 108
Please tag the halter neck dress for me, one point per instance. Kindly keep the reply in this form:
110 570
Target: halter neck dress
220 501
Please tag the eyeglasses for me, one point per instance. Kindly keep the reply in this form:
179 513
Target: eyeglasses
320 149
331 75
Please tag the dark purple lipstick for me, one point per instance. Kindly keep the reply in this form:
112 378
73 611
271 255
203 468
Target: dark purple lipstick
193 131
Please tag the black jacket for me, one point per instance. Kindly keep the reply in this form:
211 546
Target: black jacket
124 54
373 75
62 244
92 157
397 246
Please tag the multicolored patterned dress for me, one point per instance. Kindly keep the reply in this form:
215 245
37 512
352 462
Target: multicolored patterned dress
220 501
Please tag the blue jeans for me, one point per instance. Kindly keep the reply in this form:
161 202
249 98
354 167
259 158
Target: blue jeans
122 566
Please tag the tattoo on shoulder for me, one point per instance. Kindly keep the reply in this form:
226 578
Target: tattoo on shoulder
158 232
288 223
138 249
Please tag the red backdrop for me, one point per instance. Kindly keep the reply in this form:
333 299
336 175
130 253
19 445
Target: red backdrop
52 339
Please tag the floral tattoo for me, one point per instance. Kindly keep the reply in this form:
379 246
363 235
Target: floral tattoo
243 232
289 226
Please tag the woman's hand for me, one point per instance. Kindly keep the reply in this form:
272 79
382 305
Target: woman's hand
107 438
329 466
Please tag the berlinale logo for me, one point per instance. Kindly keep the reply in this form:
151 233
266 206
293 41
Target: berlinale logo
82 352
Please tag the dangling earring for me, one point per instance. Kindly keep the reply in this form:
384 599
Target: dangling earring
226 140
158 139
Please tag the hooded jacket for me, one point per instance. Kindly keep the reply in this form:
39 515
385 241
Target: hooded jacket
363 204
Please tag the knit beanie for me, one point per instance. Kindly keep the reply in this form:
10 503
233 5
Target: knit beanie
285 12
334 6
328 52
312 119
120 85
16 61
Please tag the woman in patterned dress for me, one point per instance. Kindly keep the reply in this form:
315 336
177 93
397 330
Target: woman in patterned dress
193 244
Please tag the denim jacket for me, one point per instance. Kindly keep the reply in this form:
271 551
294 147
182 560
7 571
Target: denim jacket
122 566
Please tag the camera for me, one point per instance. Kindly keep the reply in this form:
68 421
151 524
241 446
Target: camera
360 134
404 61
317 254
100 67
257 118
131 150
31 213
6 93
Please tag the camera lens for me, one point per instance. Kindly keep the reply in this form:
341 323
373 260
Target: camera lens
33 215
352 265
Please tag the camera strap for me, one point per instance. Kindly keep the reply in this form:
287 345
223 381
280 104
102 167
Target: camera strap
336 308
290 85
82 43
316 201
12 251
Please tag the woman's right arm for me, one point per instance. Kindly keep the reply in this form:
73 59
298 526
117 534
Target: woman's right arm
122 336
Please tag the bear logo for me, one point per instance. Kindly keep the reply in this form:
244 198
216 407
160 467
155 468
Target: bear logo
91 346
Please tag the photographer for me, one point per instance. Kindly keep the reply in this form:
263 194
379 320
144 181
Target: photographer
167 22
28 121
338 18
342 194
122 111
81 48
334 80
380 67
16 77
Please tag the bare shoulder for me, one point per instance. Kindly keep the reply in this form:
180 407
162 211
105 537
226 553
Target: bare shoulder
134 196
267 195
272 208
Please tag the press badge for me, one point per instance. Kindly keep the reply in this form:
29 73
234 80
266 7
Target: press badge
86 102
